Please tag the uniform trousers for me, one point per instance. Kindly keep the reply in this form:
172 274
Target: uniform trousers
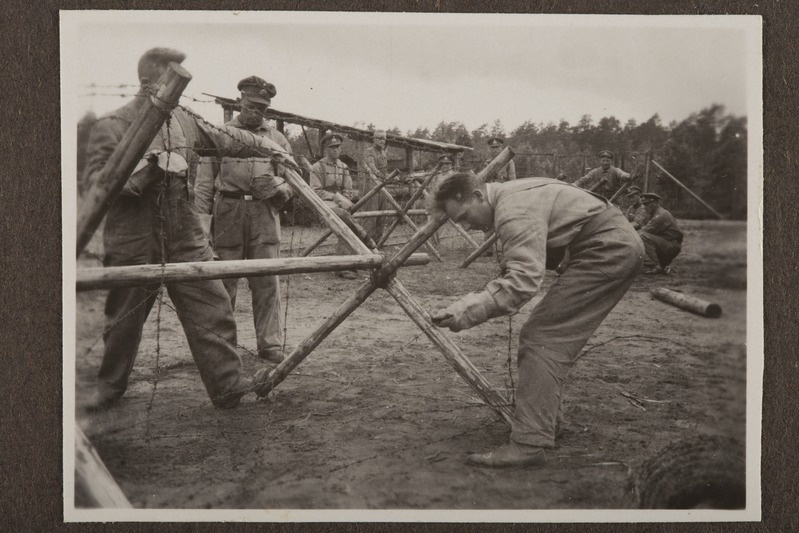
142 230
246 229
373 225
604 259
659 250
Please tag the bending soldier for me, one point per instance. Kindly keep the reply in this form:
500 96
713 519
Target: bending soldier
538 219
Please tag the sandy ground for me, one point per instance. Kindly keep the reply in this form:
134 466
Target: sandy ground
375 418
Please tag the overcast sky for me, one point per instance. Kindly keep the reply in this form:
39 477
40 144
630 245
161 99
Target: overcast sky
409 70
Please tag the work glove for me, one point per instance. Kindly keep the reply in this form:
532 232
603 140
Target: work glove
145 174
342 201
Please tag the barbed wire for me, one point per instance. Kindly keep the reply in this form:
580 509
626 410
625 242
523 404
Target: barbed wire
169 147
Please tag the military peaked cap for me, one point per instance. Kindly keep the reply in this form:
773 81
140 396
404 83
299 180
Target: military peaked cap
606 153
332 139
635 189
444 158
496 141
257 90
650 196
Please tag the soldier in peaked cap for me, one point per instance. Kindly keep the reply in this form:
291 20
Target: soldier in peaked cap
604 179
244 196
375 163
636 212
506 173
661 236
331 181
153 220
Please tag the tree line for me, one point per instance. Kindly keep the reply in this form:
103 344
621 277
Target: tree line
707 151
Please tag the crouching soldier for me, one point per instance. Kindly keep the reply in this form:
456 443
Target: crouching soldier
661 235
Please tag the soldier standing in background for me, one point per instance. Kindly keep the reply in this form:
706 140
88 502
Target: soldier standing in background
506 173
375 164
240 195
606 178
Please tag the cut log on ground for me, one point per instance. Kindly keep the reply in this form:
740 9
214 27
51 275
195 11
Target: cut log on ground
689 303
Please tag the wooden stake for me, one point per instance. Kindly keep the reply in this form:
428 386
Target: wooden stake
451 352
390 213
465 234
689 303
360 203
403 211
94 484
689 191
129 152
127 276
489 242
266 380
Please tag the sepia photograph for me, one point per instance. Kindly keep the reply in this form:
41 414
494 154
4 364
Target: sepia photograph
411 267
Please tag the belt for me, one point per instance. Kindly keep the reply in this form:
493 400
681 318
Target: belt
247 196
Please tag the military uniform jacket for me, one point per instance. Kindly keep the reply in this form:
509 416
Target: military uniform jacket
506 173
235 174
614 176
531 216
637 215
662 224
131 228
376 162
328 178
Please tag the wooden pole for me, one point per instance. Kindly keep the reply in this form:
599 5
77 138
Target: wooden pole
360 203
488 243
409 159
465 234
266 380
689 191
689 303
94 484
129 152
327 215
389 213
404 210
128 276
451 352
402 215
646 172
